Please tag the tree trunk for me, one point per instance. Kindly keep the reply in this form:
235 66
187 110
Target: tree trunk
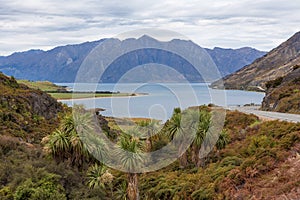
148 145
132 188
218 154
183 160
183 157
195 155
201 162
148 142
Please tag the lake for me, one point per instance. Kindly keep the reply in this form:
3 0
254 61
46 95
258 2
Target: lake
162 98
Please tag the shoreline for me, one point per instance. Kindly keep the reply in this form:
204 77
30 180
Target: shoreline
94 96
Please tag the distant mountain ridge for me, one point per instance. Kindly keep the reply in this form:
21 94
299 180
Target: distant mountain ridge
62 63
56 65
231 60
277 63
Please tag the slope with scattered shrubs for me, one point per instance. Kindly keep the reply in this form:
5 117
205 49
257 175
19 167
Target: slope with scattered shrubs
26 113
283 93
258 163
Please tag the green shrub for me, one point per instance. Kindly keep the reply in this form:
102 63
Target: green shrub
46 188
236 176
288 141
248 162
219 171
6 193
204 193
8 143
234 161
259 142
274 83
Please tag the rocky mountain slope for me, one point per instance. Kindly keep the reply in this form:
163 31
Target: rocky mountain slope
62 63
23 111
283 93
277 63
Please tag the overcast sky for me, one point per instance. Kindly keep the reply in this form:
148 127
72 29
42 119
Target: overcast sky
44 24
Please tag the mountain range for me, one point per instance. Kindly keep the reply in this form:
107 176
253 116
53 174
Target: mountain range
62 63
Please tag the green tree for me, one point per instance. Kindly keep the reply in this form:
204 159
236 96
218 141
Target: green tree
203 125
67 142
150 129
58 145
175 130
133 146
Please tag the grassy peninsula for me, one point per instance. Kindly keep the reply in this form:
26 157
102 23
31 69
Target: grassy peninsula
62 93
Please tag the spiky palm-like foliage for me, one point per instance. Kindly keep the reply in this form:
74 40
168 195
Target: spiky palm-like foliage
175 130
58 145
202 128
69 140
223 140
174 125
99 176
131 160
150 129
121 193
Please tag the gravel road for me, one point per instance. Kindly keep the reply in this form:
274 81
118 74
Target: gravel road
266 114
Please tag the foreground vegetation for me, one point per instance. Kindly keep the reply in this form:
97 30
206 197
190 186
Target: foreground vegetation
42 156
261 160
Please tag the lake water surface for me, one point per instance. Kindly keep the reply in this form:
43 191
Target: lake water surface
162 98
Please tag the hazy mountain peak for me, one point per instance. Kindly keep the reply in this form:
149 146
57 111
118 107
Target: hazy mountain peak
146 37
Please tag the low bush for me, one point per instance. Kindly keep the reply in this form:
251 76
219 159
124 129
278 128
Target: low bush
274 83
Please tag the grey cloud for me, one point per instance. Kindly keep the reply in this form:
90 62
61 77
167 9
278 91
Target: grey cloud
232 23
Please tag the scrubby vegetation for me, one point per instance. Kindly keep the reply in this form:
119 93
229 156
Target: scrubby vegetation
283 94
251 159
274 83
26 113
253 154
